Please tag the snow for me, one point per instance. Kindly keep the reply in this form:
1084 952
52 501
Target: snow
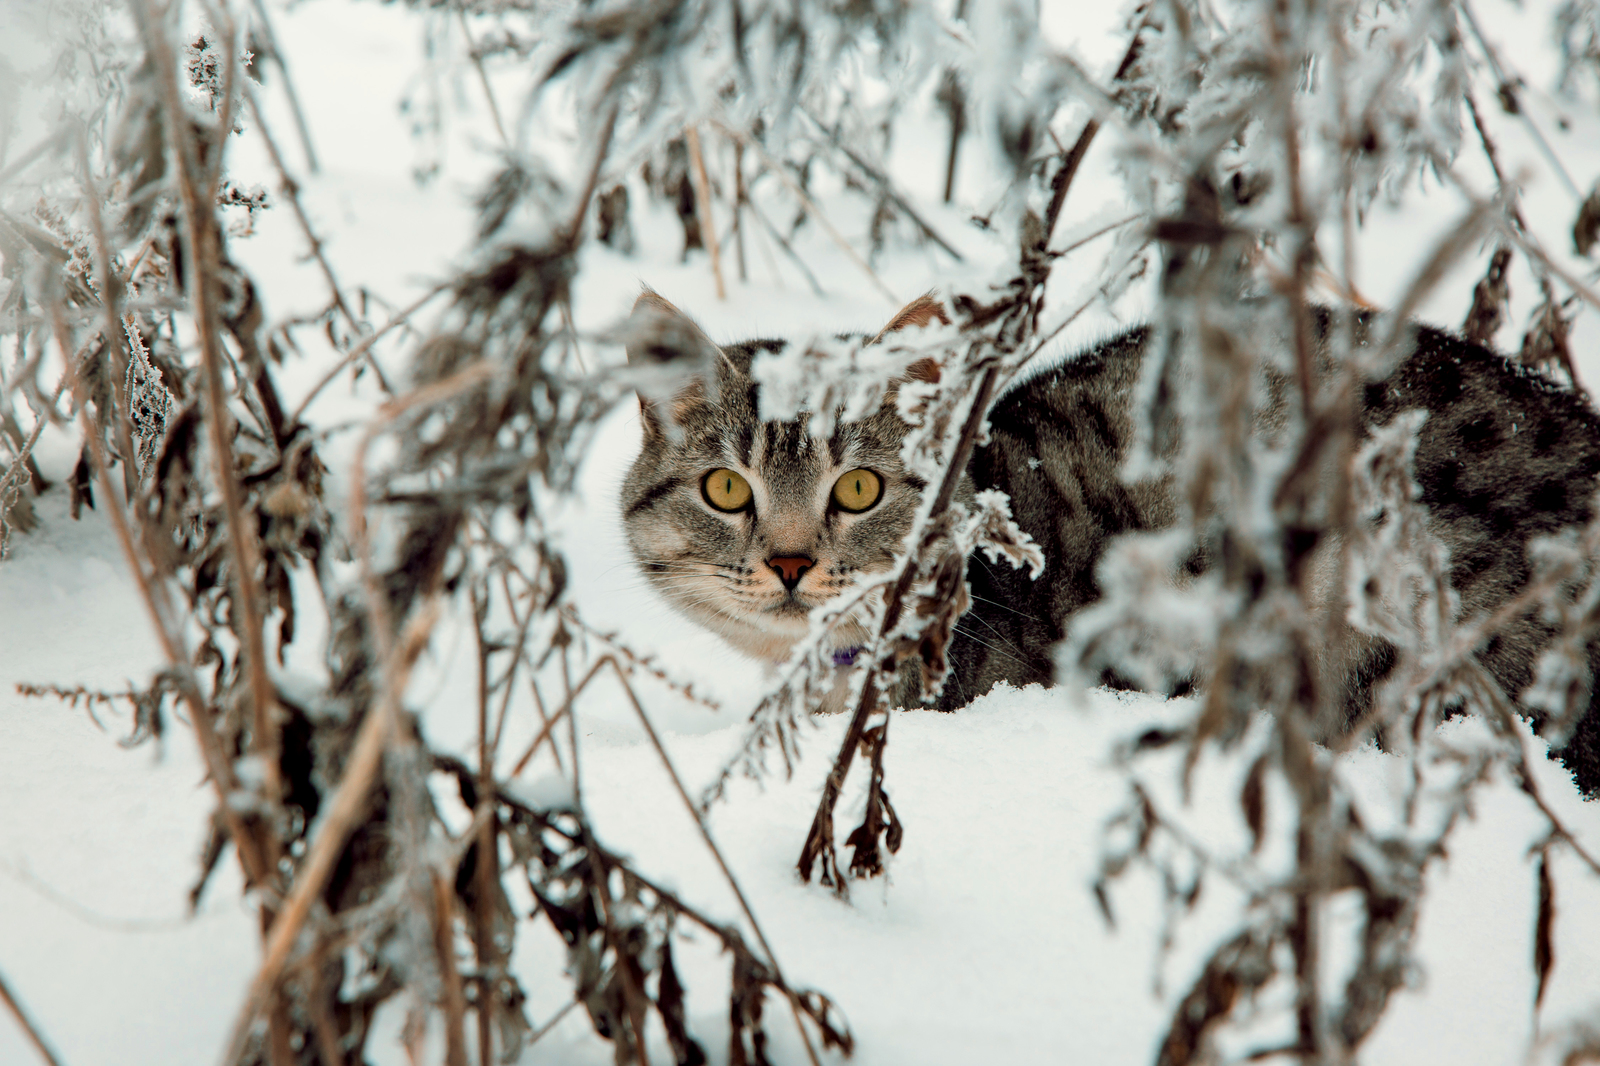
983 943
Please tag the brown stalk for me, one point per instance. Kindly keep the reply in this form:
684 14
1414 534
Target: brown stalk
711 846
550 722
455 1002
634 662
738 207
202 254
28 1027
487 870
348 806
702 200
344 813
509 681
555 1020
1504 716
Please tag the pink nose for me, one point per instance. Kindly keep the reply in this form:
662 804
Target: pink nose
791 568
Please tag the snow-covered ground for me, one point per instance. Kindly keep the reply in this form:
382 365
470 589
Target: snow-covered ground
984 943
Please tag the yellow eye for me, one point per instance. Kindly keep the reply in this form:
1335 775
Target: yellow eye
726 490
857 490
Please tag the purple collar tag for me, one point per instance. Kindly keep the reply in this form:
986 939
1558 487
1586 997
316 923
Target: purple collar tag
845 656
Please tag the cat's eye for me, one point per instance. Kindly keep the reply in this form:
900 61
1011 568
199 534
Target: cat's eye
726 490
857 490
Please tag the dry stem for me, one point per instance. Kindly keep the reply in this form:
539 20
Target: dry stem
702 199
711 845
28 1027
288 86
455 1002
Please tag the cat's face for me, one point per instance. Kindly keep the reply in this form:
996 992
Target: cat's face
746 526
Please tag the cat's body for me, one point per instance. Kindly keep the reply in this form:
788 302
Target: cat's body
1503 456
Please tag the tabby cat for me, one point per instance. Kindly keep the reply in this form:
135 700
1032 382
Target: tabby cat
746 525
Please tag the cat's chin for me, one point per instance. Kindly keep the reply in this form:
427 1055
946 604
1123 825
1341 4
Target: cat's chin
771 635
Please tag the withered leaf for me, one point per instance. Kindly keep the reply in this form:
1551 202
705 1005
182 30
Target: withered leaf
1252 800
1544 953
669 1002
1586 228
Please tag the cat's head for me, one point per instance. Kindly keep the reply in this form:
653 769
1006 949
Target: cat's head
745 525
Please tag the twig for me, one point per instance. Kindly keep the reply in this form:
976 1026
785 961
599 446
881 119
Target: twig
601 150
550 723
288 86
27 158
635 662
361 349
28 1027
344 812
883 182
487 869
806 202
1095 235
711 845
291 191
483 79
1508 86
555 1020
21 459
702 199
783 243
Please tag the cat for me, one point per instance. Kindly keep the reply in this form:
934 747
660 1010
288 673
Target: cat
745 525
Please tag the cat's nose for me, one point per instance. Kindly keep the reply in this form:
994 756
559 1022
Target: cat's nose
791 568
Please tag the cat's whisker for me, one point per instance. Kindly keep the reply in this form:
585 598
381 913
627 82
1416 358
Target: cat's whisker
997 648
1005 607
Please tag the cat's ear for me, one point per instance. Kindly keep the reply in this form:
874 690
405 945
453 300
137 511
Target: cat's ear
660 335
920 312
677 360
